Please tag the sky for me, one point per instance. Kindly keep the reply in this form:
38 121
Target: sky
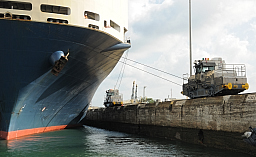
159 33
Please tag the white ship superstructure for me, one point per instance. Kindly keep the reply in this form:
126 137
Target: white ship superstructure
109 16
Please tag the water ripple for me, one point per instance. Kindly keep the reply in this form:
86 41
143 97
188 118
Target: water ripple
90 141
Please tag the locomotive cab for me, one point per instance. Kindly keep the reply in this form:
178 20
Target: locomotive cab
214 77
113 98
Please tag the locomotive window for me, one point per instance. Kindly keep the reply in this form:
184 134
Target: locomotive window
198 69
110 94
211 68
206 69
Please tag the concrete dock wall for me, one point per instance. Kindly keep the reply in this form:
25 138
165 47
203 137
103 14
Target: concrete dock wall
213 121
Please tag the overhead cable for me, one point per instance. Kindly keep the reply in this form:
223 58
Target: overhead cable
145 71
153 68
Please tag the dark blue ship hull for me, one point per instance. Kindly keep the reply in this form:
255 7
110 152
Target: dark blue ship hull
32 99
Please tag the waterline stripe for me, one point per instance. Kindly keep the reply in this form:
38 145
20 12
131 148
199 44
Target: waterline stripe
19 133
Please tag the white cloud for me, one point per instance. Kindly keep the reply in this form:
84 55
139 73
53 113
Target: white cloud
159 36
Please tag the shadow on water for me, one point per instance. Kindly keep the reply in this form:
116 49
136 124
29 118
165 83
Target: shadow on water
90 141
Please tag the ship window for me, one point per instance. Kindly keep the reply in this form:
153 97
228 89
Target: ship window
15 5
125 30
93 26
91 15
8 15
105 23
57 20
55 9
114 25
21 17
15 16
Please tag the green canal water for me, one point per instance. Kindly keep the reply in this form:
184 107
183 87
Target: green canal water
90 141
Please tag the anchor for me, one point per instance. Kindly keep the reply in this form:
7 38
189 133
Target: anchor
59 64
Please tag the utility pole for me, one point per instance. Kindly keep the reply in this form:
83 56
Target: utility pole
190 45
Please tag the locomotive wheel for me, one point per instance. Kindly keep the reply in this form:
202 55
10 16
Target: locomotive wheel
191 95
211 92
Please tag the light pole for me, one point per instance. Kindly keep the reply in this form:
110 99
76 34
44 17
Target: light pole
190 44
144 92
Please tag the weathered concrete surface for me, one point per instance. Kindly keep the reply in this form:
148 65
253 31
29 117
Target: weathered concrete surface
222 120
